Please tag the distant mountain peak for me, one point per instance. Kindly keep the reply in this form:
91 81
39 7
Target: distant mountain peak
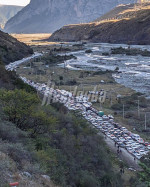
6 12
49 15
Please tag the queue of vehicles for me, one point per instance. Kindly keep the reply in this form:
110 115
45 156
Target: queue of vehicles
122 137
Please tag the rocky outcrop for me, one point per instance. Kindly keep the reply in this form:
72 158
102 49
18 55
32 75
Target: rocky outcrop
135 30
11 49
49 15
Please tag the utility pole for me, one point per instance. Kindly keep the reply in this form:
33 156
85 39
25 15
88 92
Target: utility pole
123 111
145 121
82 85
40 76
101 106
70 89
111 98
138 108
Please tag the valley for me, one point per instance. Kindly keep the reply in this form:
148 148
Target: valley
98 70
75 93
132 26
90 68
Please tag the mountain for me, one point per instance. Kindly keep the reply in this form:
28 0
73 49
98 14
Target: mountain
11 49
49 15
118 12
130 26
6 12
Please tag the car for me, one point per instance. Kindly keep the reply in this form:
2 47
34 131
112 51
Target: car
95 124
134 147
105 118
116 140
148 147
129 149
137 155
122 145
142 152
127 146
100 128
140 141
112 136
111 120
135 136
121 139
110 117
146 143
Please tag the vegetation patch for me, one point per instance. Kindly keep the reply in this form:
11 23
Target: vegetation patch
54 59
130 51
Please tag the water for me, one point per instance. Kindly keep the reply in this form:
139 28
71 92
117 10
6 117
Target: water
135 70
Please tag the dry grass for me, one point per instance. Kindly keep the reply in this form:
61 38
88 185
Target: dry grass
33 39
87 83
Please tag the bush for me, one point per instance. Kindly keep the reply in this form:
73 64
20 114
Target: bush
105 54
15 152
10 133
117 106
88 51
71 82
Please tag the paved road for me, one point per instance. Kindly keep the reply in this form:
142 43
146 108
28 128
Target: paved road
125 156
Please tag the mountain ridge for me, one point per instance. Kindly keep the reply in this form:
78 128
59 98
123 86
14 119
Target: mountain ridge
49 15
6 12
132 30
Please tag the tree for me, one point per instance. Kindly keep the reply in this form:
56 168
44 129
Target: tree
18 105
41 123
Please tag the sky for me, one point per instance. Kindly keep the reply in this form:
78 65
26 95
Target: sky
15 2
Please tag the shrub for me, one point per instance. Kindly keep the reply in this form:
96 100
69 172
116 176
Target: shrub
10 133
88 51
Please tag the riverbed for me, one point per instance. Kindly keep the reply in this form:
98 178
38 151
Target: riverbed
134 71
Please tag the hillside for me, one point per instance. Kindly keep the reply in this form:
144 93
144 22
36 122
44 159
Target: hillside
117 12
11 49
123 11
131 29
48 15
6 12
40 144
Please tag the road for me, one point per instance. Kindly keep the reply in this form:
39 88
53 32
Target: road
124 156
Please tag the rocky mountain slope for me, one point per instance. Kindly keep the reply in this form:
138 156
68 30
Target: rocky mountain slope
6 12
48 15
118 12
133 29
11 49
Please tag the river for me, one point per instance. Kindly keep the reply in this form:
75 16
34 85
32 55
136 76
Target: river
134 70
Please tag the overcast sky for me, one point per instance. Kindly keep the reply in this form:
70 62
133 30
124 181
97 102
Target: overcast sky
15 2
